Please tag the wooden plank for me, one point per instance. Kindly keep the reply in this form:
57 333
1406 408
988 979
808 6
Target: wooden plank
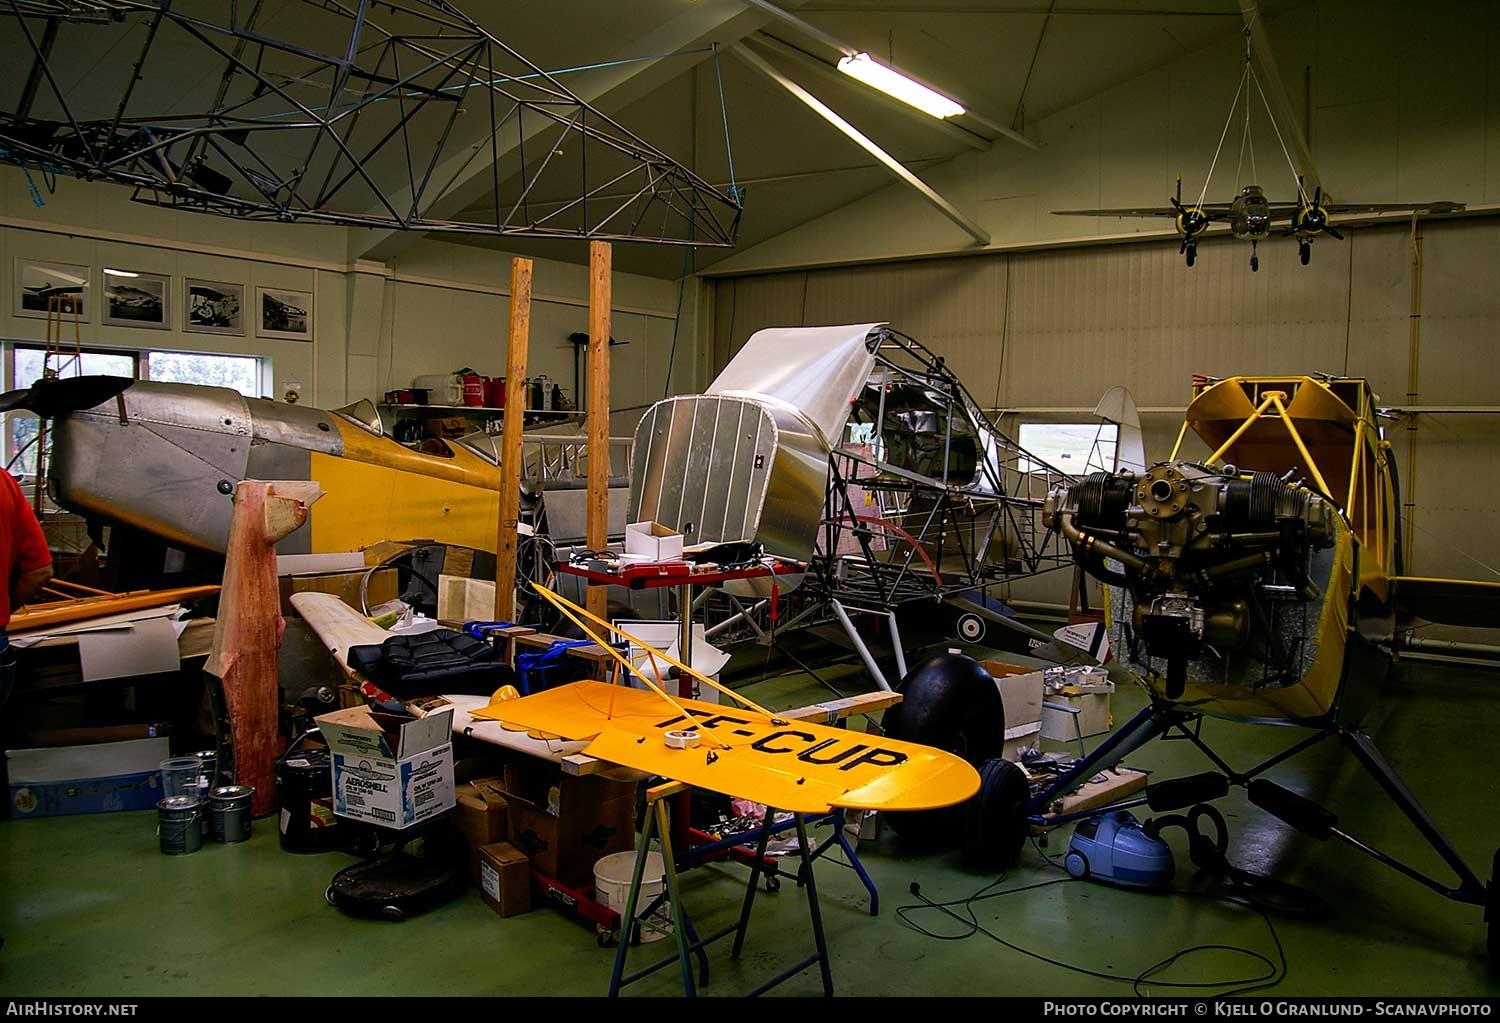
598 412
836 710
78 609
517 343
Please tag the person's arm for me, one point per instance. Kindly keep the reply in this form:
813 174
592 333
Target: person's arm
26 585
32 567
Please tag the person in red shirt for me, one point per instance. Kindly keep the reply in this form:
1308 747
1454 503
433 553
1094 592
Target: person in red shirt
23 554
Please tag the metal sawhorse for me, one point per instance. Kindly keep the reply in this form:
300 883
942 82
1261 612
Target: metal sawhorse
683 934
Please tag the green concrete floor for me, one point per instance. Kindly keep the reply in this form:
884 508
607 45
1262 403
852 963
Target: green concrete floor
90 907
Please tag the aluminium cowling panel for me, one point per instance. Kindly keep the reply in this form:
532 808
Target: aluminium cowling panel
721 469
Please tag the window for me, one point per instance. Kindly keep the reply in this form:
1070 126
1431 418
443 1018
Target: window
1075 448
238 372
26 369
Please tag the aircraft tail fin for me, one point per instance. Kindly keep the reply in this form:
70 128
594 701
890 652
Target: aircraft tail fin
1117 406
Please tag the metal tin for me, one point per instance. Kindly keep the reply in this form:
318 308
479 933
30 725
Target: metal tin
179 824
229 806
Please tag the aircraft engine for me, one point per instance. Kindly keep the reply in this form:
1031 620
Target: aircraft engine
1217 565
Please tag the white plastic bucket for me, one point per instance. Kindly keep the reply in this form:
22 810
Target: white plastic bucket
612 876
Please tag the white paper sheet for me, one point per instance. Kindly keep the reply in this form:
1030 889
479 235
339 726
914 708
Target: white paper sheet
145 648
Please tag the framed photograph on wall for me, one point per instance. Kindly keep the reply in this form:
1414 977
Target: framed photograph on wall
136 299
213 307
287 315
62 285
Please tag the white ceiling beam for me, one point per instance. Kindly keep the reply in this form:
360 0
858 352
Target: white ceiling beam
814 32
943 206
828 73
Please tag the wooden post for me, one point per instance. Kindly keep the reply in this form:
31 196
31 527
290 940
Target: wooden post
511 463
598 412
249 627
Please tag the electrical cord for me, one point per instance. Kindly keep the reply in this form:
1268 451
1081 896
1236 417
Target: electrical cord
1275 970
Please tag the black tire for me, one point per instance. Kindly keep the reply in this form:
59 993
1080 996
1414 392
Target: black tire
773 883
995 824
1305 252
951 703
1254 264
970 628
1192 254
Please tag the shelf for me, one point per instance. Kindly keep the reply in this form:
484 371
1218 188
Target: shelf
478 409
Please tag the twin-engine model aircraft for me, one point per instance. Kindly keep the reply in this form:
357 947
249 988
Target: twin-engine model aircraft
1253 217
1264 584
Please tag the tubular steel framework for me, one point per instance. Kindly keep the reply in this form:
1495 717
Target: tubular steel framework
353 121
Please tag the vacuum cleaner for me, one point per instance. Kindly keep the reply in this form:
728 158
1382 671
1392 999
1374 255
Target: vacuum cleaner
1116 849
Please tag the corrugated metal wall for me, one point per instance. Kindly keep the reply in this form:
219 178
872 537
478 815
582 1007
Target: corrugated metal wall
1048 332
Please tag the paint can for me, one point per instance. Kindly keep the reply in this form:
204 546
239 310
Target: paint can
179 824
612 877
208 776
229 805
304 794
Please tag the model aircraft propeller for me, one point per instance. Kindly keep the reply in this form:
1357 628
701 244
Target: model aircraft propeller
50 397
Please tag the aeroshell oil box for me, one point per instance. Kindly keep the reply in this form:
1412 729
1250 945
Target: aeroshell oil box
390 769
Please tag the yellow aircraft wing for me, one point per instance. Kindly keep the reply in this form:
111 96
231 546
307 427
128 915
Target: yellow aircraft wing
791 765
750 752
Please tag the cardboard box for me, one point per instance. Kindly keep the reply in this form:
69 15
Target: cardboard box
1020 737
390 769
482 817
344 585
98 778
1021 693
653 541
1093 717
566 823
505 878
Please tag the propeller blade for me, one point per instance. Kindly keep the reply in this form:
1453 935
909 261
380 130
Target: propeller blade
54 397
1333 232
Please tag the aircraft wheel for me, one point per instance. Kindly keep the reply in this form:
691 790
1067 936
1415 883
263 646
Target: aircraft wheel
392 913
606 937
995 825
773 883
950 702
1254 263
1304 251
1192 255
970 628
1076 864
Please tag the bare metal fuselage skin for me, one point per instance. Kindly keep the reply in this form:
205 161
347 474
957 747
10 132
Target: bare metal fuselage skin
165 458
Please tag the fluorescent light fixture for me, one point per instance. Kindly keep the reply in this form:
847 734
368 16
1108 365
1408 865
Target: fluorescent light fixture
894 83
120 273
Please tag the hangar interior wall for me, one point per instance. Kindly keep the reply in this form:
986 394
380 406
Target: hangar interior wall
1039 336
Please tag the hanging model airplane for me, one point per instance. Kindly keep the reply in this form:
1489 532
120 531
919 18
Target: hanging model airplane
1252 217
1264 584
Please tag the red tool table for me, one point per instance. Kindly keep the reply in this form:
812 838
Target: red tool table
685 575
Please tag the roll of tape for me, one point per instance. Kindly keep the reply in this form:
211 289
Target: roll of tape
682 739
